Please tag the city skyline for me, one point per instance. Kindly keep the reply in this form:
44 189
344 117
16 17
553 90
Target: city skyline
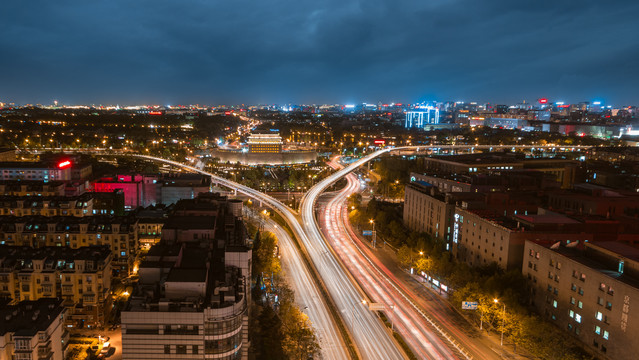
291 52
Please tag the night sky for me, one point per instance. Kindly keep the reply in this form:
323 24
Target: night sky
325 51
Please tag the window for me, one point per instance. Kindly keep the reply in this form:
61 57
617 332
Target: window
577 318
167 349
22 344
195 349
575 274
581 291
549 288
583 277
571 314
611 291
602 287
580 305
608 305
606 334
598 330
572 300
600 300
122 253
573 287
599 315
554 303
180 349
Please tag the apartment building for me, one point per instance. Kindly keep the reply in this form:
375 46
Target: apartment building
32 330
87 204
428 210
484 236
31 188
119 233
588 290
24 170
80 277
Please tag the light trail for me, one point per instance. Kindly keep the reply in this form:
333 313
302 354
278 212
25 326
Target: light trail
325 326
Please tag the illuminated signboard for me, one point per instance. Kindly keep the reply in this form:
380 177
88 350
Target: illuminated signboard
543 101
456 229
380 142
155 113
64 164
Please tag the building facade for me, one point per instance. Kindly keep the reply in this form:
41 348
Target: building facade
589 291
201 311
32 330
118 233
265 143
80 277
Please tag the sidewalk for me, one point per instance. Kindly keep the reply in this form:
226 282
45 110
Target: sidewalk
426 294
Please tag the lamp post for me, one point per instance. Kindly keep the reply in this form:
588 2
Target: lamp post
374 233
503 316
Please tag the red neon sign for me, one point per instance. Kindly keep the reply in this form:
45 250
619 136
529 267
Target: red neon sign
543 101
64 164
155 113
380 142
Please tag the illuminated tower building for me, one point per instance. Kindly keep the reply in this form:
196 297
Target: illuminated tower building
265 143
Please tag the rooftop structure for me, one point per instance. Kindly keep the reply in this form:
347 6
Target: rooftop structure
33 330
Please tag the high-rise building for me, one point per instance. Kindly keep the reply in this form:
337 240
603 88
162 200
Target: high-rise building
201 310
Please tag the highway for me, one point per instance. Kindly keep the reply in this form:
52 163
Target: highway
422 324
320 317
415 330
307 295
372 339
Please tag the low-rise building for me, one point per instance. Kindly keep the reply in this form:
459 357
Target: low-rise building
80 277
117 232
33 330
593 200
32 188
28 170
589 290
87 204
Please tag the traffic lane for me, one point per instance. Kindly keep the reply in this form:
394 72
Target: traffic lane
307 295
422 341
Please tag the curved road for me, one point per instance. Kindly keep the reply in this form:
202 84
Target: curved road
327 331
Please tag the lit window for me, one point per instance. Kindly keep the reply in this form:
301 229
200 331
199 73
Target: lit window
597 330
572 314
606 334
599 315
554 303
577 318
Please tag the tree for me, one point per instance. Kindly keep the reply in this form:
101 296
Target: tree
405 256
424 264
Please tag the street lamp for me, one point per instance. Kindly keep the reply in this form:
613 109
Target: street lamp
374 233
503 316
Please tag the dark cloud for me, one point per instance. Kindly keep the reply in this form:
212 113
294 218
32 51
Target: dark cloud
318 51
